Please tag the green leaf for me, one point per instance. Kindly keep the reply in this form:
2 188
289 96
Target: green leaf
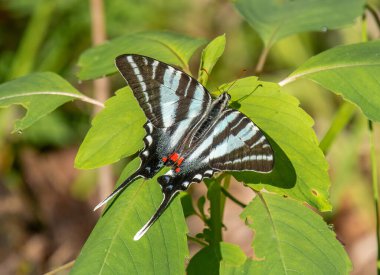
351 71
210 56
117 131
110 249
289 238
207 258
210 257
168 47
232 254
40 94
300 168
274 19
187 204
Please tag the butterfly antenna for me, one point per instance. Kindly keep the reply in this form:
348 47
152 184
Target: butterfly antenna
239 76
164 204
121 187
248 95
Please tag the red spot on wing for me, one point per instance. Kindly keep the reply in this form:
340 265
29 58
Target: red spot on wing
174 157
179 161
164 159
177 170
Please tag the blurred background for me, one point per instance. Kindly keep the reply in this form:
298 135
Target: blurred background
46 205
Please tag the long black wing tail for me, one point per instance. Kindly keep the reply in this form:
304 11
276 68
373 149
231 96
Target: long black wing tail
121 187
168 196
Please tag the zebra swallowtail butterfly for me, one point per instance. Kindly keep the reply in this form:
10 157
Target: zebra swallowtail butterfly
187 130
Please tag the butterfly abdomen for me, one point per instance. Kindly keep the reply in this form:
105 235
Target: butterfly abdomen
215 110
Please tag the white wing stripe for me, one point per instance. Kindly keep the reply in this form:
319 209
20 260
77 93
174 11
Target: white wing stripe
137 73
261 140
177 135
187 87
154 68
171 79
206 144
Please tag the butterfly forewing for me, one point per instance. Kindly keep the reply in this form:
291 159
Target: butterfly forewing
166 95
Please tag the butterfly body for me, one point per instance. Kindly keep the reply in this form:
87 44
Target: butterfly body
187 130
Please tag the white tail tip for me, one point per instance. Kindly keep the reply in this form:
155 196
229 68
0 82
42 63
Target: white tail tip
102 203
141 232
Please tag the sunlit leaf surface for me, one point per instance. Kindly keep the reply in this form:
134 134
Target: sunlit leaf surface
210 56
117 131
352 71
167 47
289 239
39 93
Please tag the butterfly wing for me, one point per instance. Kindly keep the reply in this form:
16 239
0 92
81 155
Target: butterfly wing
239 145
166 95
172 102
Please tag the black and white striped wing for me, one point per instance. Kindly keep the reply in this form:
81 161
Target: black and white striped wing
166 95
238 145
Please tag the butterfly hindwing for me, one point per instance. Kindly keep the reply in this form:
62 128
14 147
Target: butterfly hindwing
239 145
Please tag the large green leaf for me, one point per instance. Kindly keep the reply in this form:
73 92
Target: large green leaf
351 71
168 47
40 94
274 19
210 56
300 168
289 239
110 249
116 132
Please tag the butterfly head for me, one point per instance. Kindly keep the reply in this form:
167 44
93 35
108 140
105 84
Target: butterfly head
221 102
226 97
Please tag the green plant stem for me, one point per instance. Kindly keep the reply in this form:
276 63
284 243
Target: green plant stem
32 39
215 221
261 62
375 189
61 268
232 198
196 240
343 116
224 185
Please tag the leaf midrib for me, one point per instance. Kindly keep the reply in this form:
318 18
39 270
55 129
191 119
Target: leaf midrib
119 228
275 231
171 49
78 96
318 69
